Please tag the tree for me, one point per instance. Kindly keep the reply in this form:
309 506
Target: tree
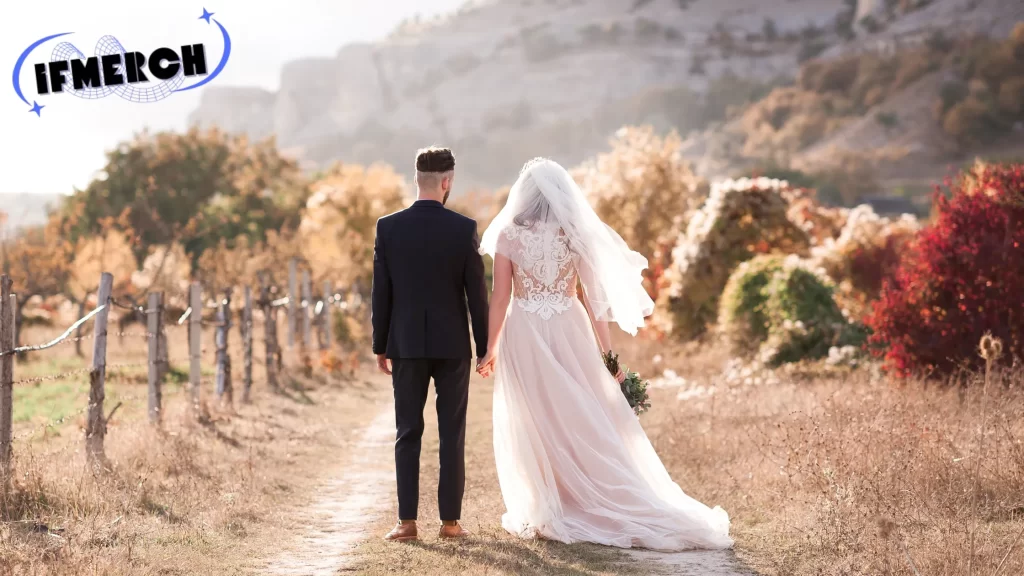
108 251
194 188
338 227
644 189
167 269
962 279
37 262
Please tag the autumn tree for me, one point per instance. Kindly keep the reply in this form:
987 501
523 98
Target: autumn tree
645 190
166 269
37 262
195 188
242 262
338 227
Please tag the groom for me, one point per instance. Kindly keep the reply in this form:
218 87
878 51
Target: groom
426 269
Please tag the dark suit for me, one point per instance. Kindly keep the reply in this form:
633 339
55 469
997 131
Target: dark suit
426 270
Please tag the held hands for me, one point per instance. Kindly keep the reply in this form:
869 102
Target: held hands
485 365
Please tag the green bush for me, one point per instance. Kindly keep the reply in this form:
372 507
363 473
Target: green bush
779 310
741 218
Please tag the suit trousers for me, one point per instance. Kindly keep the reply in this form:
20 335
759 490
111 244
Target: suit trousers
411 380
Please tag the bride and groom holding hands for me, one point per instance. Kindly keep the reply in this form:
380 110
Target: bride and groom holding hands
573 462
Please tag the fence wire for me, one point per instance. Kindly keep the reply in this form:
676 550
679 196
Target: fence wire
57 340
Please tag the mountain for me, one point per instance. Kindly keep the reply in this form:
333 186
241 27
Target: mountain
23 210
503 81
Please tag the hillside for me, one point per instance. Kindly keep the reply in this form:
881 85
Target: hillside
504 81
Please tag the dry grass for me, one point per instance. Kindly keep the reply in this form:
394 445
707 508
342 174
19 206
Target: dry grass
833 473
850 474
185 499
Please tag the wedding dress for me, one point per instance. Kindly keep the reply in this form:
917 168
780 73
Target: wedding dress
573 462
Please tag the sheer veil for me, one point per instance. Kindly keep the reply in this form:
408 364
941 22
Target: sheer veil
611 273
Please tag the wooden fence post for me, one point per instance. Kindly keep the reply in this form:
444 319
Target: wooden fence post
163 364
8 302
195 351
153 314
246 326
224 389
96 425
307 310
293 301
269 332
326 316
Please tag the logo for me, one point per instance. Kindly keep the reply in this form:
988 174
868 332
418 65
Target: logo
133 76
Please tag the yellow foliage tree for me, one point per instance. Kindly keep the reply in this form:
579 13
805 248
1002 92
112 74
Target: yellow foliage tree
110 251
37 263
337 229
643 188
166 269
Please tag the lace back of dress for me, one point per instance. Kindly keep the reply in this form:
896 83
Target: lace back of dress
544 270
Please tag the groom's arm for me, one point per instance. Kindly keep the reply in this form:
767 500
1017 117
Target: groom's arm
476 294
380 307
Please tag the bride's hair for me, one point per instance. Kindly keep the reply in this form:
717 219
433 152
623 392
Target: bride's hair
536 208
612 273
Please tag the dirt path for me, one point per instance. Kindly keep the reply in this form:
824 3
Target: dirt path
339 531
345 507
696 563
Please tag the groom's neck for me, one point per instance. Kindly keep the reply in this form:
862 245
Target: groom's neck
436 196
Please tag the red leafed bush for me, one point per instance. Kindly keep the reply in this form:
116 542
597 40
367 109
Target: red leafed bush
963 277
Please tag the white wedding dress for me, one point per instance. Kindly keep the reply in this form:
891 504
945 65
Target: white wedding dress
573 462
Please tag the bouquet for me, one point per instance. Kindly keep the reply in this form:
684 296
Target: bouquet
634 389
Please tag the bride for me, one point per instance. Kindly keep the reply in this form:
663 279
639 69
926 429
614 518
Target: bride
573 462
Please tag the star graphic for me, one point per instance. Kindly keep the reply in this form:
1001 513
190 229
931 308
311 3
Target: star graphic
206 15
36 107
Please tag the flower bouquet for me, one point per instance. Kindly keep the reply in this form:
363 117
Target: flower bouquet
633 388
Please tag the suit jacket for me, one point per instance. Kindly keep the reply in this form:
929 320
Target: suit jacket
426 269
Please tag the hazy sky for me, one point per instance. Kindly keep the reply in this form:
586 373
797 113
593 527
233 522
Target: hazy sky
64 147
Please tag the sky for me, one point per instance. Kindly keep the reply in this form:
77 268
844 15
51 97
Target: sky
64 147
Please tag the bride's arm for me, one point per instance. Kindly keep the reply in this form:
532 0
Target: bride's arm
601 328
501 296
604 337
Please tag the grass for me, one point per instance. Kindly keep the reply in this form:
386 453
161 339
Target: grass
827 472
846 473
184 498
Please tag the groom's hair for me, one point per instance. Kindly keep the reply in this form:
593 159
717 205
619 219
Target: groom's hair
434 159
432 164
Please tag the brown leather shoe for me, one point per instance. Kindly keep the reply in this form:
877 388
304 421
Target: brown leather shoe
402 532
453 531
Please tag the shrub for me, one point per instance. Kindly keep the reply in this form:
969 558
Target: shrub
1011 96
643 188
963 278
835 75
741 218
348 330
781 310
865 253
971 122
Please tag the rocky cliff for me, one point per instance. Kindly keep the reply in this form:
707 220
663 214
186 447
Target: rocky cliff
503 81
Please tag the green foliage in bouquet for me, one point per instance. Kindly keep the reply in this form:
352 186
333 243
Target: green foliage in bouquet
781 311
633 388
